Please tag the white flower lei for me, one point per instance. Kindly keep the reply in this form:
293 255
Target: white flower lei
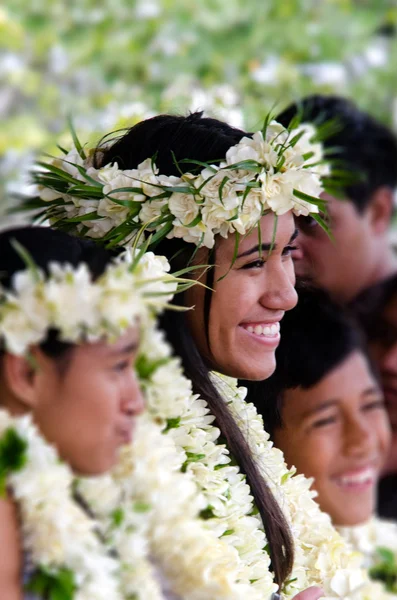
276 170
67 300
371 536
321 555
145 507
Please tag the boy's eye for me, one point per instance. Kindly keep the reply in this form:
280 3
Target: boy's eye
324 422
376 404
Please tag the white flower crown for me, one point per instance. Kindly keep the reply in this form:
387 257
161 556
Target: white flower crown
78 308
276 170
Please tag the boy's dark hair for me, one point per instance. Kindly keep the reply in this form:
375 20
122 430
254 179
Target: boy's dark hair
316 336
366 147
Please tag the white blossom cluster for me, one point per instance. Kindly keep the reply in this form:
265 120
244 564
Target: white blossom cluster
278 171
70 302
56 532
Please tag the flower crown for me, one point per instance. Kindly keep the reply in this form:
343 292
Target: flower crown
277 169
79 309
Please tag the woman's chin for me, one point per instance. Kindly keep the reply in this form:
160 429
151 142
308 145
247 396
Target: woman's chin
258 371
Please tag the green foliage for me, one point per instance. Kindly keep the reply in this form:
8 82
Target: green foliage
12 455
385 569
54 585
112 63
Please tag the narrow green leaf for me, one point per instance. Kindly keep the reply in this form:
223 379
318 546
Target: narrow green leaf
27 258
76 140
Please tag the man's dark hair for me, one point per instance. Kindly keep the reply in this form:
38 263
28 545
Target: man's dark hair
316 337
367 148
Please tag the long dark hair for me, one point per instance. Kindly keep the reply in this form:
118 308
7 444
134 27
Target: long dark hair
170 139
46 245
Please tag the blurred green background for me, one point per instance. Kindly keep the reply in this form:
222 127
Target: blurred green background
110 63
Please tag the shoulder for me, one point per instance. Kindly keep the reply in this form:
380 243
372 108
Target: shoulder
10 552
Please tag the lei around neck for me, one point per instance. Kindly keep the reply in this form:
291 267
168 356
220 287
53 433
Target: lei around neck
277 170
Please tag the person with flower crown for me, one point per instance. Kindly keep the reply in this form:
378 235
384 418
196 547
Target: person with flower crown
207 195
76 511
324 408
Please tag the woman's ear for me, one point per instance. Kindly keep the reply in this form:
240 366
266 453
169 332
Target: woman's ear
20 377
381 209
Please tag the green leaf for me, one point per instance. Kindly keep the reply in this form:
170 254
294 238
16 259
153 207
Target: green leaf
318 218
146 367
272 243
195 221
172 424
191 457
141 507
76 140
55 585
311 199
207 513
117 517
26 258
92 216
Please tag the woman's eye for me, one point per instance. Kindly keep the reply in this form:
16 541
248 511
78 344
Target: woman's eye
324 422
256 264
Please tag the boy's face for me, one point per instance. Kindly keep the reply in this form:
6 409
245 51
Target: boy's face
338 432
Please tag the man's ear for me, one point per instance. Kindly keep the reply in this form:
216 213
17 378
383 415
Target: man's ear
380 209
20 376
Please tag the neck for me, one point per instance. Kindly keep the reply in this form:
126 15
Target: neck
382 266
385 266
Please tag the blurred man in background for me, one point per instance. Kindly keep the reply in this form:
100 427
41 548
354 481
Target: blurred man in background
360 254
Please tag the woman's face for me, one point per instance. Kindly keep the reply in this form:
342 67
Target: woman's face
88 411
338 432
248 304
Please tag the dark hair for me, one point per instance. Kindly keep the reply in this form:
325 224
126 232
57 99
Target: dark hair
367 148
316 336
368 309
207 140
46 245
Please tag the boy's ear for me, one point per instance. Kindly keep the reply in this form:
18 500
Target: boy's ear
20 377
380 209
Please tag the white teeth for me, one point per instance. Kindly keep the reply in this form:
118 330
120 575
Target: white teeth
365 476
266 330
